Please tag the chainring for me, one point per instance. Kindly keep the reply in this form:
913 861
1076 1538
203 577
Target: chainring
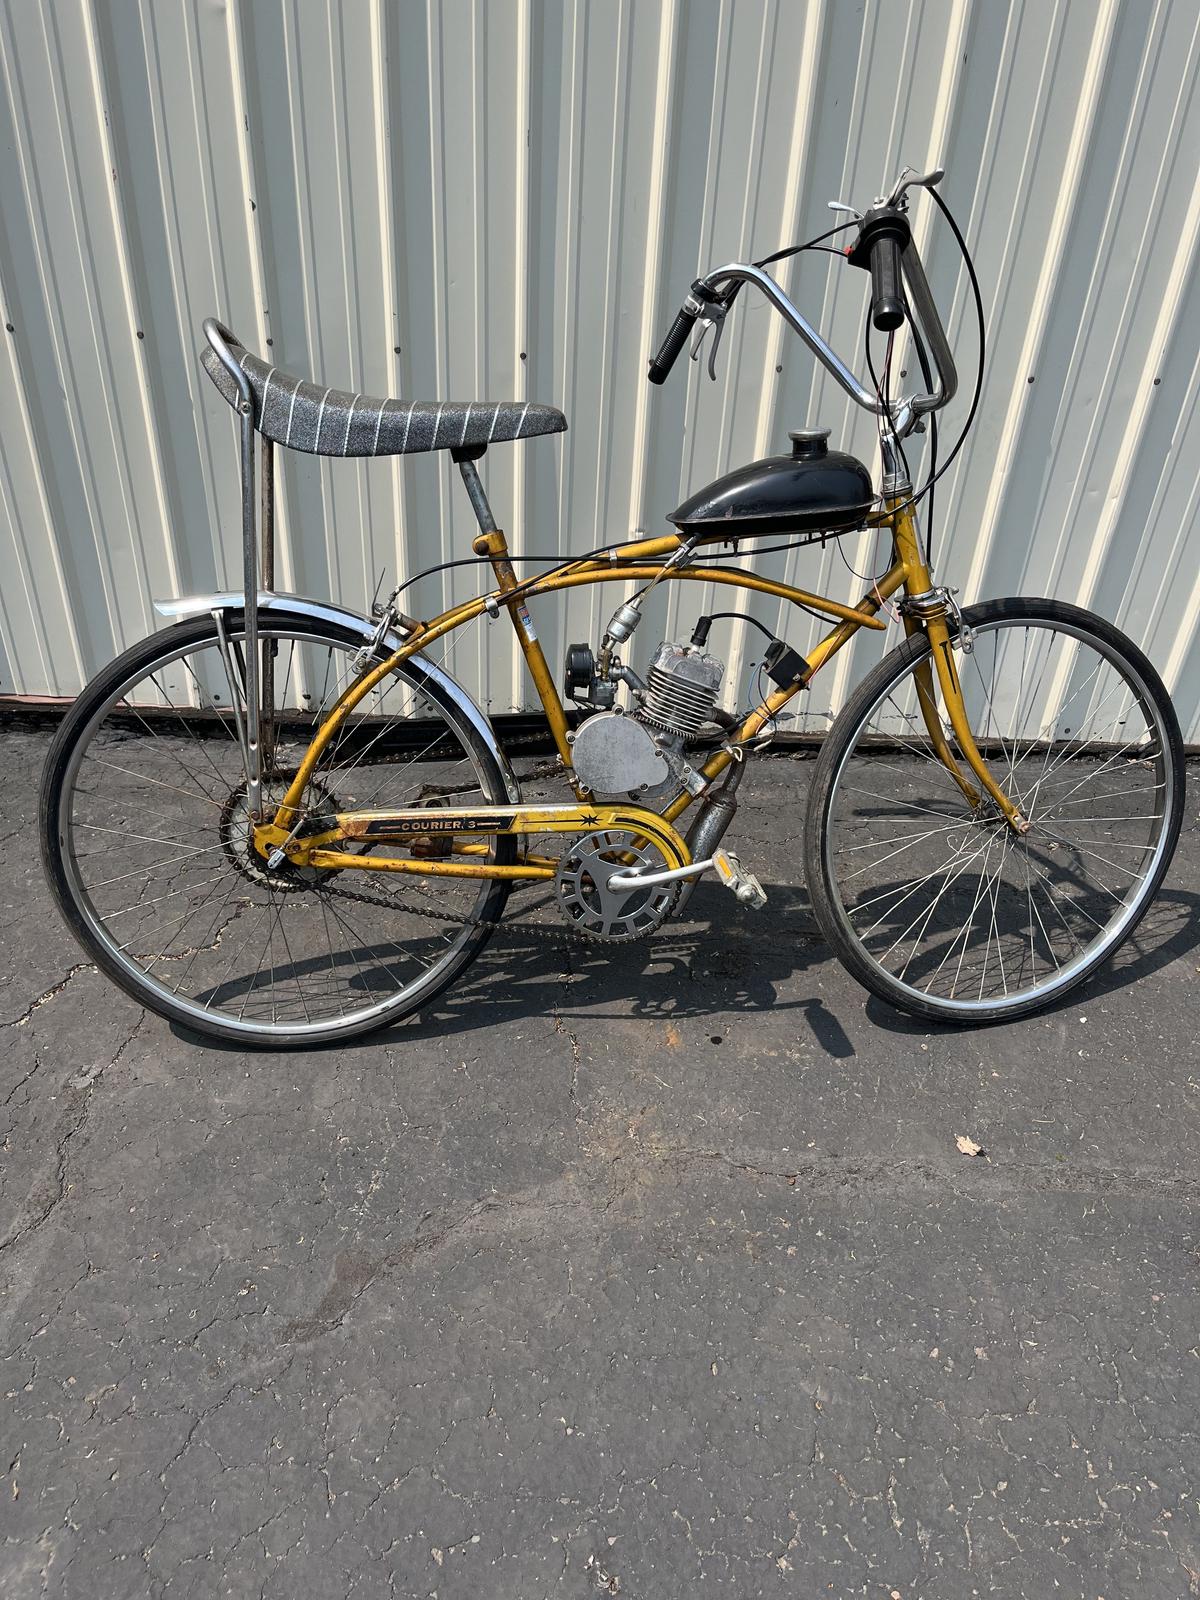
617 916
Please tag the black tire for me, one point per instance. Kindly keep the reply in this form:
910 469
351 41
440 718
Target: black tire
874 692
87 713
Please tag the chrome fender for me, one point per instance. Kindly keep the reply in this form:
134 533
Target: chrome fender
195 605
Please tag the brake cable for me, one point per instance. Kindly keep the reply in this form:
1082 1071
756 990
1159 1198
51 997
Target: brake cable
811 244
817 243
936 471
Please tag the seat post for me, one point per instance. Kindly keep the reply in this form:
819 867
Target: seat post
492 544
466 456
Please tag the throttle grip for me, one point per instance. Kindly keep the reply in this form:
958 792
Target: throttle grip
887 299
668 351
882 238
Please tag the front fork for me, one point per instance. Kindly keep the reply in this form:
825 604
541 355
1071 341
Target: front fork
925 607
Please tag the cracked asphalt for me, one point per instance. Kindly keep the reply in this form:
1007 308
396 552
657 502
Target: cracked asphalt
649 1273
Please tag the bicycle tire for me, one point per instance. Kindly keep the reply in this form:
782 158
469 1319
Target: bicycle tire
829 900
65 755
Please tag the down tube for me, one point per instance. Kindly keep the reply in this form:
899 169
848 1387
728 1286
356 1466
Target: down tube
861 616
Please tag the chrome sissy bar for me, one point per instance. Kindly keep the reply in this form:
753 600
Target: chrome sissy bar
255 674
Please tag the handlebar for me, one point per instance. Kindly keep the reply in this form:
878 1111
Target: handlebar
884 245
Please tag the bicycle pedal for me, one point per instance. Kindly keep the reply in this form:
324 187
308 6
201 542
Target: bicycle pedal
745 886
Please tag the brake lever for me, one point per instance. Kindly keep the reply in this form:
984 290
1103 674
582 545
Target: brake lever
713 318
910 178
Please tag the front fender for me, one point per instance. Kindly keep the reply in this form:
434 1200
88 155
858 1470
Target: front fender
439 680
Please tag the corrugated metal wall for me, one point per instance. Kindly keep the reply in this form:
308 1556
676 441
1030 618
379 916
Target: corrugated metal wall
507 200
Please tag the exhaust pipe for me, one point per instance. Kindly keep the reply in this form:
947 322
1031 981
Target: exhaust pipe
712 822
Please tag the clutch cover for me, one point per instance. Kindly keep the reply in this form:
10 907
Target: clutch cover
615 754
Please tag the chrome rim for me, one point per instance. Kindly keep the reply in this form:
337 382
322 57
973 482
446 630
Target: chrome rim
948 901
152 828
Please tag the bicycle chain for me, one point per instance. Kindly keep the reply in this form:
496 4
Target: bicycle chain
555 934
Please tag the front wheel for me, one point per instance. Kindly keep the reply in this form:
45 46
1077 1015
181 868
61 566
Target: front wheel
147 836
935 903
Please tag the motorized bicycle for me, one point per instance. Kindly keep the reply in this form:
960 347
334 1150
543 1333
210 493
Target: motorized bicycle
281 823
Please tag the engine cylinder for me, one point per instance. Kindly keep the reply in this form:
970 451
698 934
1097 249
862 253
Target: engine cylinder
681 688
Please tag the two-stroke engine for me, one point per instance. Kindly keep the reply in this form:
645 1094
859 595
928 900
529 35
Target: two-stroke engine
641 750
645 750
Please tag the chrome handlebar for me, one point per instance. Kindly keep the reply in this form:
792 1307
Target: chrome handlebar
744 272
905 413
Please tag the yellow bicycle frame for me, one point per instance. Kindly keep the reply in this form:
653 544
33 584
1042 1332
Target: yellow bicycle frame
641 560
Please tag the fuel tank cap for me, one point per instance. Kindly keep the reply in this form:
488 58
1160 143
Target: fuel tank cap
809 444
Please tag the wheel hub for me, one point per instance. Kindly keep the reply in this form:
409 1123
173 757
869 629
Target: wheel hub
237 834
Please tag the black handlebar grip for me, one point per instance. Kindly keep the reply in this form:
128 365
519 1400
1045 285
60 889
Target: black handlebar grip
882 239
668 351
887 296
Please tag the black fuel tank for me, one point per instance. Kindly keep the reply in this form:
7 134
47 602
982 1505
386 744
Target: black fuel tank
814 490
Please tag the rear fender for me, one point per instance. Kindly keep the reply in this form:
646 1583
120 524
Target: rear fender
439 682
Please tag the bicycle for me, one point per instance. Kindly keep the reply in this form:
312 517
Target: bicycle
282 823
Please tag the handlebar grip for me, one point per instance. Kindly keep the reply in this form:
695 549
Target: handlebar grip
668 351
887 296
882 240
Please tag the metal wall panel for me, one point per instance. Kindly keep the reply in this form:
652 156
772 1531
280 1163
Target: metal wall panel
507 199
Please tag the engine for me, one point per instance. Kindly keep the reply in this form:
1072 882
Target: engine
641 751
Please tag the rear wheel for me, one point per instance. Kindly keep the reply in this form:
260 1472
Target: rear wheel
939 906
147 840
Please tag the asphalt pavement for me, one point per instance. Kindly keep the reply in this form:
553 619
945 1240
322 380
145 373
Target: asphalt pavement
652 1272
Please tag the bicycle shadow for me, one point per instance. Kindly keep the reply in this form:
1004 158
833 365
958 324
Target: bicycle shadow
721 960
1169 931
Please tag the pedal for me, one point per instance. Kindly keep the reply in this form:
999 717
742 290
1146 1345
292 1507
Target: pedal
745 886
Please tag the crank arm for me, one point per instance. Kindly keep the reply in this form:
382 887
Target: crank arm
744 885
628 878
